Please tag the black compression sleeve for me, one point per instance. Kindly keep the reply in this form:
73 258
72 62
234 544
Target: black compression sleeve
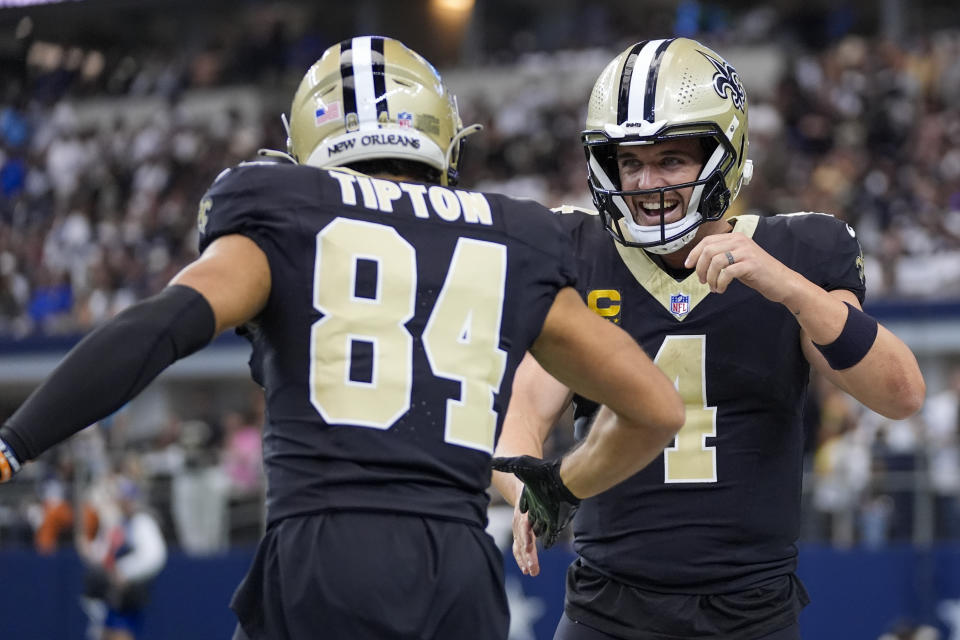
109 367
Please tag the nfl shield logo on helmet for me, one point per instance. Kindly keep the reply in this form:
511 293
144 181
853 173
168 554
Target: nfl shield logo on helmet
679 305
405 119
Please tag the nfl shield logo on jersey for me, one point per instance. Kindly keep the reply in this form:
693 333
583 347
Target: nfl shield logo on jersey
679 305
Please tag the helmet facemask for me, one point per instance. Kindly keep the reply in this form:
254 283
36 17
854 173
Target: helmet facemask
709 199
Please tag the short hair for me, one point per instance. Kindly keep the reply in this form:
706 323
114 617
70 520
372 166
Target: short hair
396 167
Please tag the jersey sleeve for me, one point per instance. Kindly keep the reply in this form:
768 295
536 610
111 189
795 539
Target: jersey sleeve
831 252
542 264
539 227
566 261
579 225
244 200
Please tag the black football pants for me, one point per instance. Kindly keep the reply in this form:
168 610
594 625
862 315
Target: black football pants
370 575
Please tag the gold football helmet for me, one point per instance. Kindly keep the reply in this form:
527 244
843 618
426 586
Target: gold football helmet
372 98
654 91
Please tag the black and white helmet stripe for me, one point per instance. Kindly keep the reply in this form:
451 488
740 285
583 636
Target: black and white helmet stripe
638 81
362 59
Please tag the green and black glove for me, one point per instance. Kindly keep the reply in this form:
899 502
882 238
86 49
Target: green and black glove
548 503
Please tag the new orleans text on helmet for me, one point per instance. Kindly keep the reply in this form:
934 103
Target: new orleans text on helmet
389 139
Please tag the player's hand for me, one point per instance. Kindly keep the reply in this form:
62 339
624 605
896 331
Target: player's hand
9 465
524 543
723 257
548 503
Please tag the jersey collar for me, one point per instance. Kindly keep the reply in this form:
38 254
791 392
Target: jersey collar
663 287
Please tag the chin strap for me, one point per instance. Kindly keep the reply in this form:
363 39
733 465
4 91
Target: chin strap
276 153
460 135
286 127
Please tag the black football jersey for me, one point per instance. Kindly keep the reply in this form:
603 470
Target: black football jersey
719 510
397 315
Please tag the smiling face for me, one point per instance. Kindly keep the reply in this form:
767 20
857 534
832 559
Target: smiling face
657 165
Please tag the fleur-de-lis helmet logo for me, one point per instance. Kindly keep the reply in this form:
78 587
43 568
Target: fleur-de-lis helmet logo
727 81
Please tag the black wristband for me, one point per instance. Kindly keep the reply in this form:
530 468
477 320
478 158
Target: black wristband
109 367
855 340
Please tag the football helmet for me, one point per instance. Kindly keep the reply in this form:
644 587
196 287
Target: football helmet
658 90
371 98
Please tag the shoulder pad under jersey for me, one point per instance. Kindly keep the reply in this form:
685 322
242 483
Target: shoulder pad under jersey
572 208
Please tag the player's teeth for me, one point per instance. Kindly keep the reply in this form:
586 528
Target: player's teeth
649 206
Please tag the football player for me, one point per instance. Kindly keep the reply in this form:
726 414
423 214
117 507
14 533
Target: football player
701 543
387 311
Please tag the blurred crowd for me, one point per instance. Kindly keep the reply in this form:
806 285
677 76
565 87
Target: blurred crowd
95 215
872 481
91 220
200 476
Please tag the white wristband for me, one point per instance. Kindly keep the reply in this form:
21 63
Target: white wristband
9 465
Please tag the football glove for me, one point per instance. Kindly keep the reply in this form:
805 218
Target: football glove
548 502
9 465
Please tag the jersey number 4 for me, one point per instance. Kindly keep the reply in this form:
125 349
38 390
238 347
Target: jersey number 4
689 459
460 338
